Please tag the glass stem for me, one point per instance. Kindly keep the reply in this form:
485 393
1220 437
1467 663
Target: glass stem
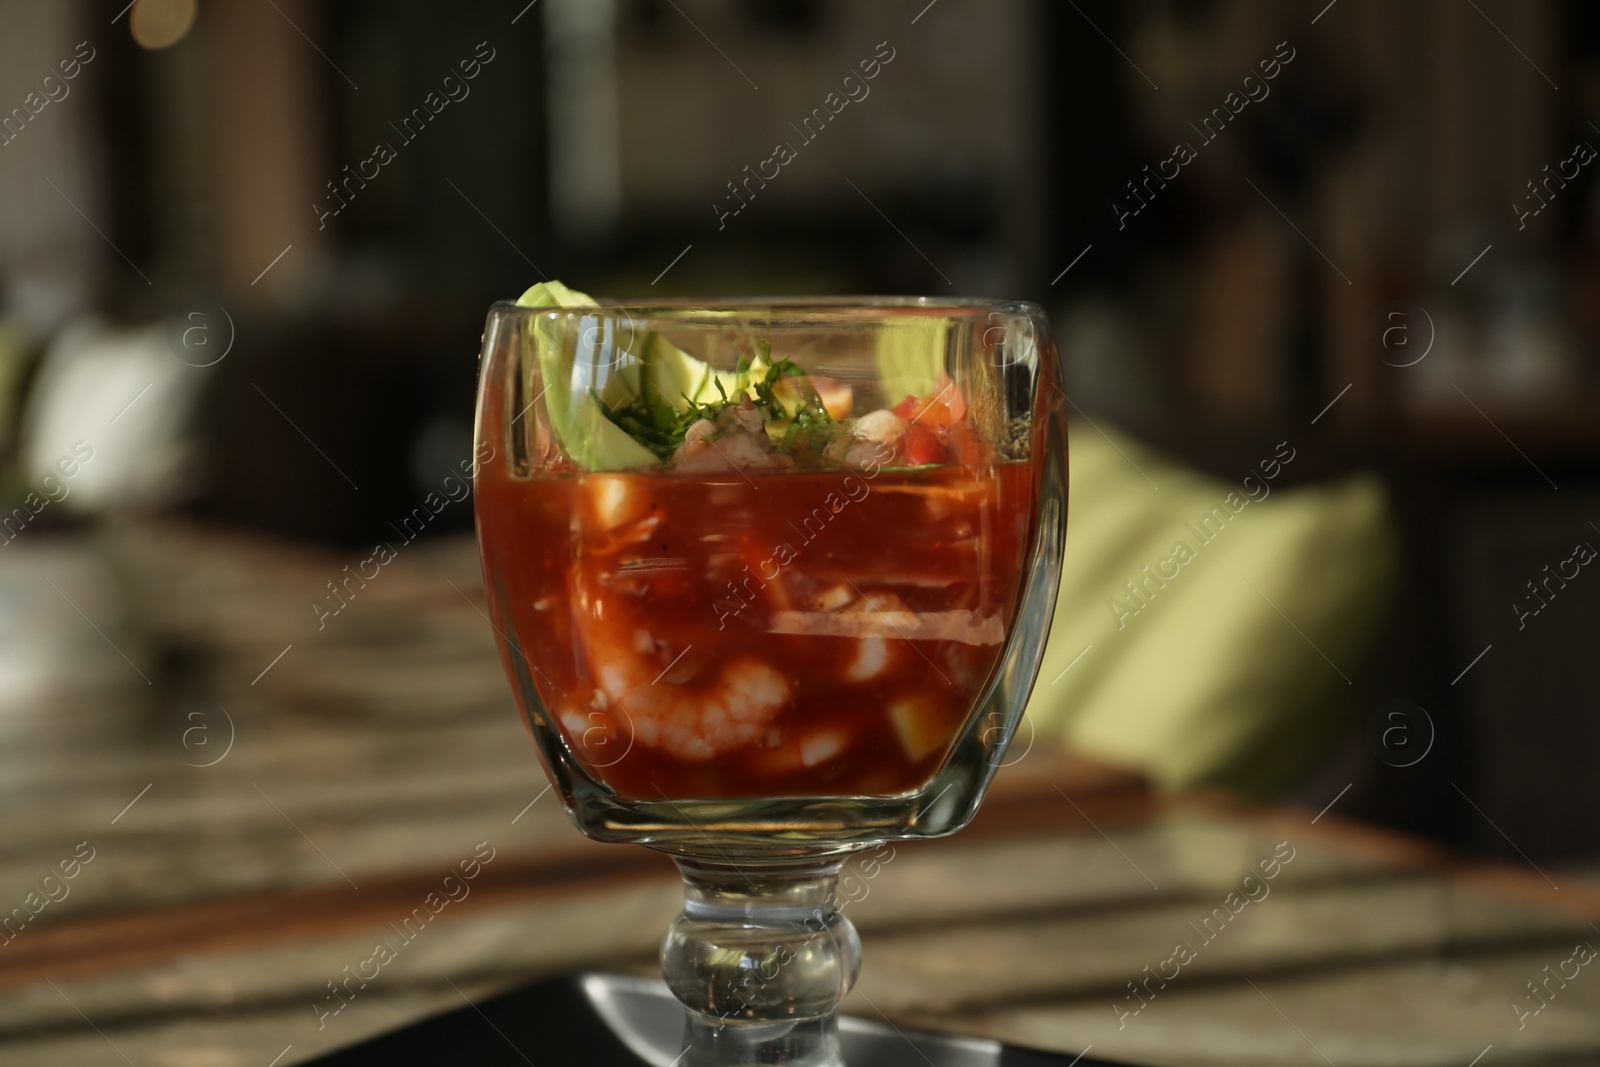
761 957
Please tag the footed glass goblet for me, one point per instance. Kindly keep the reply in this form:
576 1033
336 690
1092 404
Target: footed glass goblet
772 581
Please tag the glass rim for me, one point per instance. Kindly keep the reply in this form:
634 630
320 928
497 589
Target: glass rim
797 305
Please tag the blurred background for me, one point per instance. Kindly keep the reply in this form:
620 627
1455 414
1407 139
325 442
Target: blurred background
246 247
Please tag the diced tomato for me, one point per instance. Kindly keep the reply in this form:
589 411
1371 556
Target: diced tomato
944 406
837 397
921 446
971 451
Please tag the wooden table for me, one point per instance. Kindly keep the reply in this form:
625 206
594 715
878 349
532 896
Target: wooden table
230 885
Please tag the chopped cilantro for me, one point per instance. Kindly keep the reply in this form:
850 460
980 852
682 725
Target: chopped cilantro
795 420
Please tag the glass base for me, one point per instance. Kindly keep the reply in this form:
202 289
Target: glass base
761 958
718 1043
650 1022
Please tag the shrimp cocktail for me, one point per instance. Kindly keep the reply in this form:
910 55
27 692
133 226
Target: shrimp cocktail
771 582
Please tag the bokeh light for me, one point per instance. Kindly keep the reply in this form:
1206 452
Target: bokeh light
157 24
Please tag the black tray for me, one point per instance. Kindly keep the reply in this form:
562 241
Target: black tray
596 1020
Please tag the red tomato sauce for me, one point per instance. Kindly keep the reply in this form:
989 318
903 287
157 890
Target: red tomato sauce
817 633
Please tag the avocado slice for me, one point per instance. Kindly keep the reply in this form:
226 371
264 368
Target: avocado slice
590 439
622 385
553 294
671 374
910 355
654 370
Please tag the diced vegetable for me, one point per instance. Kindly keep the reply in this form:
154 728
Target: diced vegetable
577 419
943 406
766 413
673 375
920 725
837 397
921 446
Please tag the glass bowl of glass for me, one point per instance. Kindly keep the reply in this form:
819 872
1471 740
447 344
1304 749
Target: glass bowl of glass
771 581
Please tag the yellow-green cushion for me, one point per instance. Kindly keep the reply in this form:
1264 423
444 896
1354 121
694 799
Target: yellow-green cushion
1211 680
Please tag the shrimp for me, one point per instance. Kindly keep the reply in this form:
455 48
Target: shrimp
736 440
693 719
873 438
